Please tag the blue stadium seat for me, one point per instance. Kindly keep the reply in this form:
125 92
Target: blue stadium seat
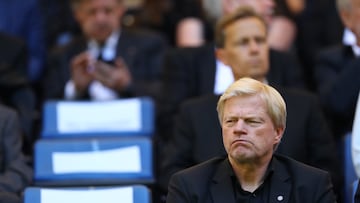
100 118
105 161
126 194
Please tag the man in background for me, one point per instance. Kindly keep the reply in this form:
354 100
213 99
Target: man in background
107 62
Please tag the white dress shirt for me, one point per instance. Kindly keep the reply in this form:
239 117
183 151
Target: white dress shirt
355 142
349 39
223 77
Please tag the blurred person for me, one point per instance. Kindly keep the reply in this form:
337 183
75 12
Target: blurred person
191 72
60 25
253 119
282 30
24 19
15 173
241 40
318 27
107 62
15 89
355 140
337 71
164 15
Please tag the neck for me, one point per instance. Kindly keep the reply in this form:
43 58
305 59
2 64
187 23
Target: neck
249 174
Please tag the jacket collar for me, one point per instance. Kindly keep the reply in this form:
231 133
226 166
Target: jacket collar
280 187
222 191
221 185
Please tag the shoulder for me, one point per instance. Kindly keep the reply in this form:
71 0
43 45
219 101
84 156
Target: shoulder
334 54
200 173
201 102
333 50
281 56
308 184
300 172
193 53
7 114
73 47
142 35
298 96
6 111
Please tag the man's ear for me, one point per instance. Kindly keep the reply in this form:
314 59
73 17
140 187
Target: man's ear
345 18
279 132
78 15
221 55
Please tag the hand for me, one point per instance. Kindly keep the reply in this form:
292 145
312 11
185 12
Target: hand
80 72
116 77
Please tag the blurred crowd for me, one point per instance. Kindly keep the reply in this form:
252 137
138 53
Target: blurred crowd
165 49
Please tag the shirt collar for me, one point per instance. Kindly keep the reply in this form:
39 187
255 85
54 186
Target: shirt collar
349 39
108 49
269 171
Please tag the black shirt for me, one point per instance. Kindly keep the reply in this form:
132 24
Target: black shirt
260 195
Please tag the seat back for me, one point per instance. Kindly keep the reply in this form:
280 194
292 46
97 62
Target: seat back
105 161
124 117
125 194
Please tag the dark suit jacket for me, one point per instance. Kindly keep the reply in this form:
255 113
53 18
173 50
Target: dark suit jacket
142 51
13 59
190 72
15 90
337 76
15 174
209 183
197 135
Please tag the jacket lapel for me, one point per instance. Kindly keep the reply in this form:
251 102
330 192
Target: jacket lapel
221 187
127 48
280 187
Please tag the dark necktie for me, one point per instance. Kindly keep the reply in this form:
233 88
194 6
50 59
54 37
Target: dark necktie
101 58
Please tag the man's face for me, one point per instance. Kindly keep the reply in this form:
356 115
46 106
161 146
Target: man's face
262 7
248 131
99 18
245 49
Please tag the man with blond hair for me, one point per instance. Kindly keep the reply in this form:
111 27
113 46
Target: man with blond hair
253 118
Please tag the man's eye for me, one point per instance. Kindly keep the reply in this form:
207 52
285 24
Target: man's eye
254 122
230 121
260 40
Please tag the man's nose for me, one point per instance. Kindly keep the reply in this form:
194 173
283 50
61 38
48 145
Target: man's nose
100 15
254 46
240 126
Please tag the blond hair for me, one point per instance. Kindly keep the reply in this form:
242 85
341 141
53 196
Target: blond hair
275 104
